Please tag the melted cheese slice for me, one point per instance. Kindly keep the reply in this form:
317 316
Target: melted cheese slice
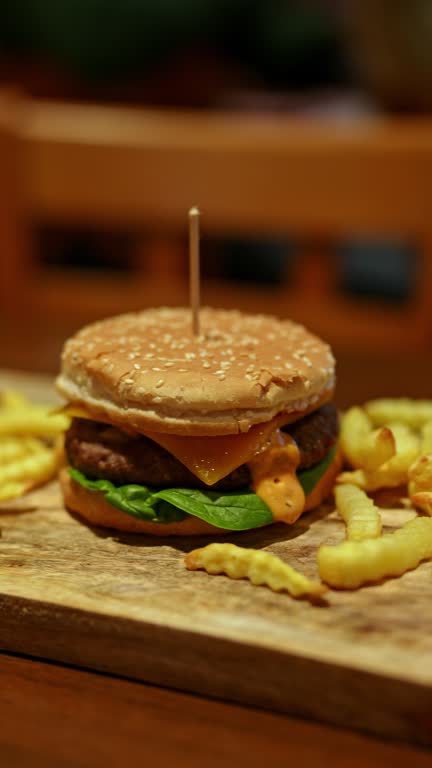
212 458
209 458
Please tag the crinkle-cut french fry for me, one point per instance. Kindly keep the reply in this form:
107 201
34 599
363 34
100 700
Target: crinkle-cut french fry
257 566
423 500
413 413
13 490
407 450
426 438
420 483
37 467
362 446
11 448
35 420
14 448
361 516
395 471
353 563
378 447
355 425
34 444
420 473
356 477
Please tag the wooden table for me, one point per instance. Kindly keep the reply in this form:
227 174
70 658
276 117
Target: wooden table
55 716
58 717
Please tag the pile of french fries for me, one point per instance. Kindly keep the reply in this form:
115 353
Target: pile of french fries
31 444
387 443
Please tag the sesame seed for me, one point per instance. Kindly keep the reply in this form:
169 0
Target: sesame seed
137 366
157 399
182 370
159 383
128 381
206 364
168 364
156 369
222 377
190 355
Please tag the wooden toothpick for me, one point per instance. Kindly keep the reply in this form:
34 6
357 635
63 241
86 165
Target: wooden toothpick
194 268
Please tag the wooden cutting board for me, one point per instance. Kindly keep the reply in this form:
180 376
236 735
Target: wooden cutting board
126 605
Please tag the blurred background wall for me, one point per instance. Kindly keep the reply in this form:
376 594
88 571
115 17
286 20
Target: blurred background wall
357 75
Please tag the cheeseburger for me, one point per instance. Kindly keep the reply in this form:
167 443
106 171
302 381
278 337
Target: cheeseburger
179 434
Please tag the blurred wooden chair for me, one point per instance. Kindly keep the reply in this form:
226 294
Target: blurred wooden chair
13 240
252 176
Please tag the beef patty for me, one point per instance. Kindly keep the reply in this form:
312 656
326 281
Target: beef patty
102 451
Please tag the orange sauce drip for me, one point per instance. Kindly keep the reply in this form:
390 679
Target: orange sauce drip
274 478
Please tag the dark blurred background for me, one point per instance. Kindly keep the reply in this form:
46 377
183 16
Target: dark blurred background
357 69
165 52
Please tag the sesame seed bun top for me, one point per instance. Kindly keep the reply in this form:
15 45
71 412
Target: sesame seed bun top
146 371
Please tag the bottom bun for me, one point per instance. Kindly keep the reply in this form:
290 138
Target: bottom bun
92 506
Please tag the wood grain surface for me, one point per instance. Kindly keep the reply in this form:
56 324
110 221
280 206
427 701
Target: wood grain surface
57 717
126 605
